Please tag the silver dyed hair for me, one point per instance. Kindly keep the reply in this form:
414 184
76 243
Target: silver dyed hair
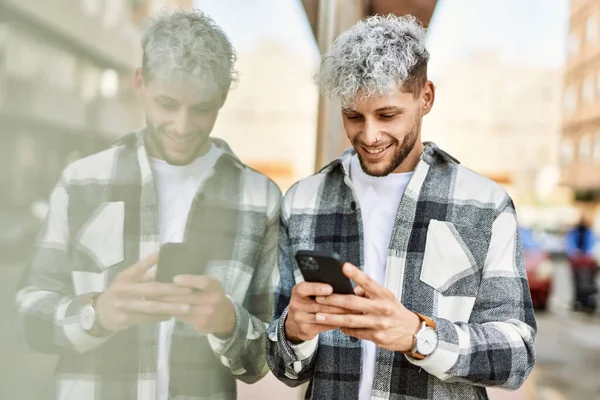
376 56
188 46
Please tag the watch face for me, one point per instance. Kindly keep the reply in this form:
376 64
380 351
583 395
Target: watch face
87 317
427 341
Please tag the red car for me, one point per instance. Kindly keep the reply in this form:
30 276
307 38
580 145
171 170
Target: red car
540 269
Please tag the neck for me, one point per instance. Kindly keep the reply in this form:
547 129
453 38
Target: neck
410 162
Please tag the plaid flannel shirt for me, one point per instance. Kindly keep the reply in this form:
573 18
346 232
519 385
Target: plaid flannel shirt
102 219
454 255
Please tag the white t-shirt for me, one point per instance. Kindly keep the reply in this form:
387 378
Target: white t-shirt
379 198
176 187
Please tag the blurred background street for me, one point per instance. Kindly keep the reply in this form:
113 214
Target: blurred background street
517 100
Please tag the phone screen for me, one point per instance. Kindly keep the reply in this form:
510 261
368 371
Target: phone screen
176 259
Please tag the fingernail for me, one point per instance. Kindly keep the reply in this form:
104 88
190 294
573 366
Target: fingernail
320 299
325 290
179 280
184 308
320 317
347 268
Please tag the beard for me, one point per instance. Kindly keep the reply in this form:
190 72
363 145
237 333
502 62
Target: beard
156 135
401 152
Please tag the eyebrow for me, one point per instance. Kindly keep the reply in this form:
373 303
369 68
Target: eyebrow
164 98
390 108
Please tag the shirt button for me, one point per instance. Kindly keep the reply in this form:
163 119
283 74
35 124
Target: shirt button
353 339
353 206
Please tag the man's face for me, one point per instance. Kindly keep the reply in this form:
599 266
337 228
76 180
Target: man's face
384 130
180 119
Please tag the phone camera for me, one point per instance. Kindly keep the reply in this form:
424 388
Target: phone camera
311 264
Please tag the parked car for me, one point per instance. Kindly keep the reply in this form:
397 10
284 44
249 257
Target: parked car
540 268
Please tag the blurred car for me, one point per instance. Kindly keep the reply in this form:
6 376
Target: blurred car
539 266
554 243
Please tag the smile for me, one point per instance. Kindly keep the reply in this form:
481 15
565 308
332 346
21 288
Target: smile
376 150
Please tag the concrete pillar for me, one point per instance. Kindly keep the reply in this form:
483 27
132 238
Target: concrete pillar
335 16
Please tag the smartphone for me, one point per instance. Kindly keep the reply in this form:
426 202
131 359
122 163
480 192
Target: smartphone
324 267
176 259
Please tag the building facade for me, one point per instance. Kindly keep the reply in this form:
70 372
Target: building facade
66 70
580 139
501 120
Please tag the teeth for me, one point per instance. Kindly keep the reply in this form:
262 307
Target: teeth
375 151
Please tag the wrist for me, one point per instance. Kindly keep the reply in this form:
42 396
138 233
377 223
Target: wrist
230 320
90 316
289 333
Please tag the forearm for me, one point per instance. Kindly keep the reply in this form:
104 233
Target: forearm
490 354
49 322
291 364
243 352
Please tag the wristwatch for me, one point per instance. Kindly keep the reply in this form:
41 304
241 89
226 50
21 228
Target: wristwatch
88 317
425 341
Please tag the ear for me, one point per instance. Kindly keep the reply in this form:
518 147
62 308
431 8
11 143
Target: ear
139 82
427 97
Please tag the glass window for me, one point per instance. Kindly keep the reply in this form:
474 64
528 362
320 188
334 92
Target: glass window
113 12
109 86
90 82
585 148
570 100
591 29
596 151
91 7
566 152
588 90
573 45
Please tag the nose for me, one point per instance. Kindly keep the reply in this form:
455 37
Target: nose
183 123
370 132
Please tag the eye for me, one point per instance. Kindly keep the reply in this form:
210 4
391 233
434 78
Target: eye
353 117
387 116
168 105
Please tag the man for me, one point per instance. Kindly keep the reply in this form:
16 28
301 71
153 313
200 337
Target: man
579 249
442 306
90 295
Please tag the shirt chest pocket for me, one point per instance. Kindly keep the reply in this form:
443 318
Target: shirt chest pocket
450 268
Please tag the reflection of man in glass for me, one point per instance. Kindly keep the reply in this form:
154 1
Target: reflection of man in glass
90 294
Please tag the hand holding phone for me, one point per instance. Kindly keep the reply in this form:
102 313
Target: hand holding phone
323 276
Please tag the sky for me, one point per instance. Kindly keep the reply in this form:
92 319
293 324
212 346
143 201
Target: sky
528 32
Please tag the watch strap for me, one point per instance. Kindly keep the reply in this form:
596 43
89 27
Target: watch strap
97 330
425 322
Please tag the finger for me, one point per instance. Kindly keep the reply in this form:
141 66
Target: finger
359 291
201 282
196 312
150 275
138 319
309 289
362 334
155 290
370 287
198 298
346 320
302 318
312 307
137 271
349 302
153 307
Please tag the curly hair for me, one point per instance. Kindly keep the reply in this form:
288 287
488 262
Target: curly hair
188 45
377 55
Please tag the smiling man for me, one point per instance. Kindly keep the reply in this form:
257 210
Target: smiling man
90 294
441 306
